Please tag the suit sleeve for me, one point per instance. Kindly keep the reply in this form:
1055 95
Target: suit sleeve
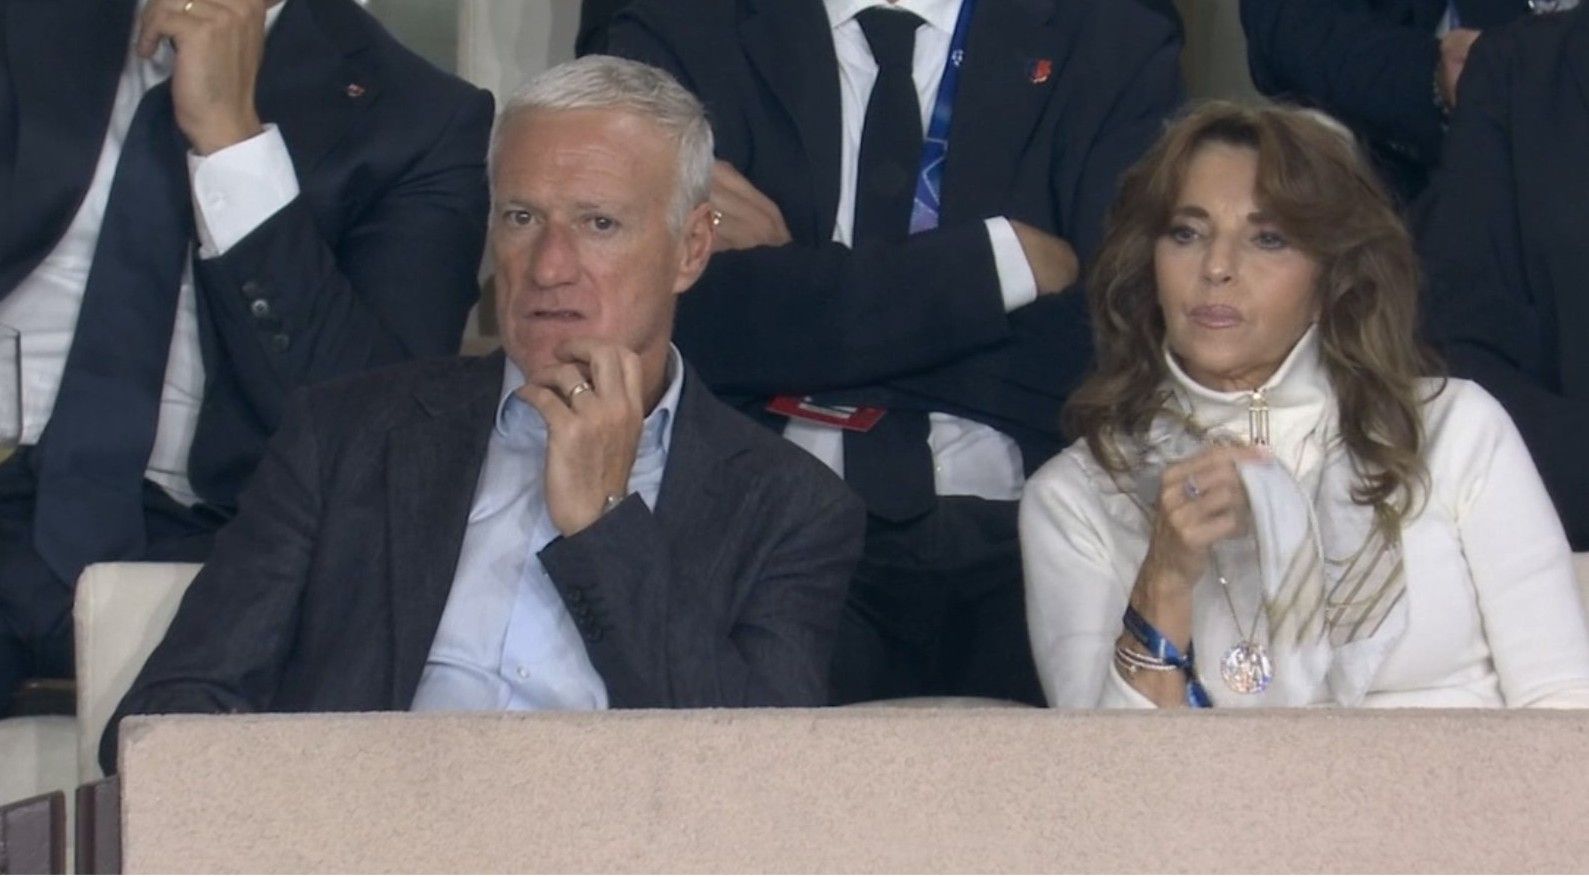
1481 309
295 303
1048 343
654 646
230 636
1350 61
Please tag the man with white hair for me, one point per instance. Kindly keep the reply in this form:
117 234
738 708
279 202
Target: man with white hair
578 524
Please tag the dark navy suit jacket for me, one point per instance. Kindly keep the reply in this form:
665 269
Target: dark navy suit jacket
374 262
1056 99
326 592
1369 62
1505 243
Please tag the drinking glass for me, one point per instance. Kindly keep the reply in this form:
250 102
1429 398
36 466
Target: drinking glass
10 392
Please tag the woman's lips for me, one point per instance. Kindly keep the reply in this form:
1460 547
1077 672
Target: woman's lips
1215 316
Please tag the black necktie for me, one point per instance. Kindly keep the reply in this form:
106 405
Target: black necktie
96 446
890 466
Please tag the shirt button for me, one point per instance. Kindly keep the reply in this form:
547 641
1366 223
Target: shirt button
523 672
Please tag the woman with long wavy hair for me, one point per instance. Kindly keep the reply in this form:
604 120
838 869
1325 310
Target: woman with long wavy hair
1272 502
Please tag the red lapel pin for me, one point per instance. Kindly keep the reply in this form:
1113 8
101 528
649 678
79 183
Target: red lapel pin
1040 70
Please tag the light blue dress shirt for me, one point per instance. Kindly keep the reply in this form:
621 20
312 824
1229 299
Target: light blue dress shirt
506 642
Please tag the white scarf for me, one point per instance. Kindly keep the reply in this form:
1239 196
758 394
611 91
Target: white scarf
1315 584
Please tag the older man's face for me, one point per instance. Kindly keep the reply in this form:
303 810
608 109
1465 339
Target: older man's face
581 240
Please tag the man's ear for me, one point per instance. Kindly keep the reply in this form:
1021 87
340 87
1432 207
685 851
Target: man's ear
695 249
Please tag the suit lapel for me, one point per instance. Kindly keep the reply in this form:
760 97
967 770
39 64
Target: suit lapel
310 83
1015 53
65 61
699 491
432 466
790 45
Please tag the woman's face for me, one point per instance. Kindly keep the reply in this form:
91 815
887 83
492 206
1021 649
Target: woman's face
1236 294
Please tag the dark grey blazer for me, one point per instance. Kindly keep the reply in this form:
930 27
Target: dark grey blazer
325 593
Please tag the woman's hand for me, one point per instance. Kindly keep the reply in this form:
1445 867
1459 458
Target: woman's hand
1201 501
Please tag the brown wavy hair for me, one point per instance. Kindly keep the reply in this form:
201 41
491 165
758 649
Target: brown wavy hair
1327 201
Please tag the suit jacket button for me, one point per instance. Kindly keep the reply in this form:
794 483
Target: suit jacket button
252 288
279 342
259 307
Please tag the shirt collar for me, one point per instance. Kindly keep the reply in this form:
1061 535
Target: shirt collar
519 419
939 14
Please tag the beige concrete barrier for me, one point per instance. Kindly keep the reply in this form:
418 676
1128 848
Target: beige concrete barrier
859 790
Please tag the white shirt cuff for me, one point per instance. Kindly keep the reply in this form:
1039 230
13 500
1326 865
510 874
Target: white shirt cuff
237 188
1016 282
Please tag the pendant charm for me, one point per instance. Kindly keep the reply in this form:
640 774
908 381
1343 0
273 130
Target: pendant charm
1245 668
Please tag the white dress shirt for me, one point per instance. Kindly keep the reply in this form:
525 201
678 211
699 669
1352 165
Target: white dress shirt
969 458
234 191
506 641
1494 615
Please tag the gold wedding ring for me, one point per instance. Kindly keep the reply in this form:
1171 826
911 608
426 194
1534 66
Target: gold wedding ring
581 387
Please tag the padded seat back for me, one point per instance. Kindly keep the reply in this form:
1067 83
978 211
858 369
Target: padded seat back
121 613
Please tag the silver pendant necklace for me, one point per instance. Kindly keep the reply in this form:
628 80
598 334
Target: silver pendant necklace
1245 667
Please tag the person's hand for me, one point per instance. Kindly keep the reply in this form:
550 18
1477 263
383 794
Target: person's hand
1454 47
1201 501
219 44
1054 264
592 403
745 217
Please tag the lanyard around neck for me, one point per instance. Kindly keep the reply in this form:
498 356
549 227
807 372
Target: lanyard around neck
935 146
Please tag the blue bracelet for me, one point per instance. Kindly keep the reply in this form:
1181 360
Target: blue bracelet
1164 650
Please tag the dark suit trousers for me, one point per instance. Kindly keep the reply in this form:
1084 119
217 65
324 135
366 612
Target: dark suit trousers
35 605
936 608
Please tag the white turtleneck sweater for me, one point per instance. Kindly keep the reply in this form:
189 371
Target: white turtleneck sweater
1494 612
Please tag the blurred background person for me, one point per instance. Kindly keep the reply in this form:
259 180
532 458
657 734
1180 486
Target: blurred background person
1505 243
1388 68
208 204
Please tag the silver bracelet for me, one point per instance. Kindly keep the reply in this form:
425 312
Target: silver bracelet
1131 661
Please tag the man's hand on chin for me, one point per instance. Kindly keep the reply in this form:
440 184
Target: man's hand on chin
592 402
219 44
